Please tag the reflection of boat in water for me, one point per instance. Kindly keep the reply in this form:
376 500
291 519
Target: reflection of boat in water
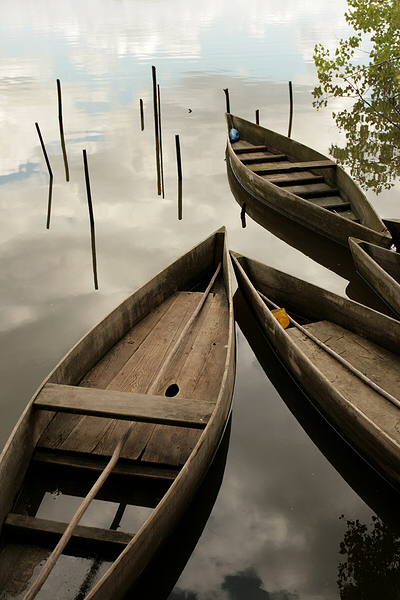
302 184
373 489
154 379
380 267
345 356
161 575
319 248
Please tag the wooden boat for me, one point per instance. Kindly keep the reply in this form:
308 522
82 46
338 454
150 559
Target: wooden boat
380 267
357 387
163 364
301 184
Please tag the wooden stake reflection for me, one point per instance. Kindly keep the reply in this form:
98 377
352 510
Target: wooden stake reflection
60 122
91 217
50 174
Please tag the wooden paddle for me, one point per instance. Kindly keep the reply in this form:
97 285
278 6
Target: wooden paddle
51 561
339 358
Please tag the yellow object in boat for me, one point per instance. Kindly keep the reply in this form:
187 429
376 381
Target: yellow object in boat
280 315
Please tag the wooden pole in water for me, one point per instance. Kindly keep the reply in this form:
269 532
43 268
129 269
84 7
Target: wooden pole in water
141 114
156 133
178 157
290 109
91 217
179 165
50 174
257 117
228 105
160 136
243 215
60 121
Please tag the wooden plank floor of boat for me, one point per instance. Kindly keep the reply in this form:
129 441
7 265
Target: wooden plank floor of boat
131 367
303 181
378 364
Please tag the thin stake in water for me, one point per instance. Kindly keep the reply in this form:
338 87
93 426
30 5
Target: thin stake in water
156 132
141 114
228 106
290 109
60 121
179 165
91 217
160 136
50 174
257 117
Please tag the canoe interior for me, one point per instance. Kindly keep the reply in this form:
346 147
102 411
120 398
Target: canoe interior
73 446
296 169
388 260
367 340
380 268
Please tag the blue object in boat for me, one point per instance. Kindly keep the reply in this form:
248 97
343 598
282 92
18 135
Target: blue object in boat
234 135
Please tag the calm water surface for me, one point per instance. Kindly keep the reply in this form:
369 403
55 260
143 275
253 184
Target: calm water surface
275 530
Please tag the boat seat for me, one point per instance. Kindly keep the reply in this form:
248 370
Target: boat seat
248 148
314 190
96 464
44 529
288 167
124 405
294 179
331 203
264 158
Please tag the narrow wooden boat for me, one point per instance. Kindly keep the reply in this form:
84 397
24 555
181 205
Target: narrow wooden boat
353 377
380 267
163 364
301 184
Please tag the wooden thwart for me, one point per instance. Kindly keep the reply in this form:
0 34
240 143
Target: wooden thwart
25 524
292 166
97 465
124 405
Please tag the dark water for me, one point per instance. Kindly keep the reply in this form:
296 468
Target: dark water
275 530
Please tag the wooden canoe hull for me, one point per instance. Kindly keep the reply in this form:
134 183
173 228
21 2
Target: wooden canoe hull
325 222
380 267
379 446
183 273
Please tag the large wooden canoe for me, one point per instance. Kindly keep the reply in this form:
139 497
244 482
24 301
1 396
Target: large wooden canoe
112 377
368 341
380 267
301 184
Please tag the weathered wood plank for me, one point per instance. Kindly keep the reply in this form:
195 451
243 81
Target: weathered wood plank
123 405
287 167
296 178
262 157
96 465
380 365
33 525
331 202
313 190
